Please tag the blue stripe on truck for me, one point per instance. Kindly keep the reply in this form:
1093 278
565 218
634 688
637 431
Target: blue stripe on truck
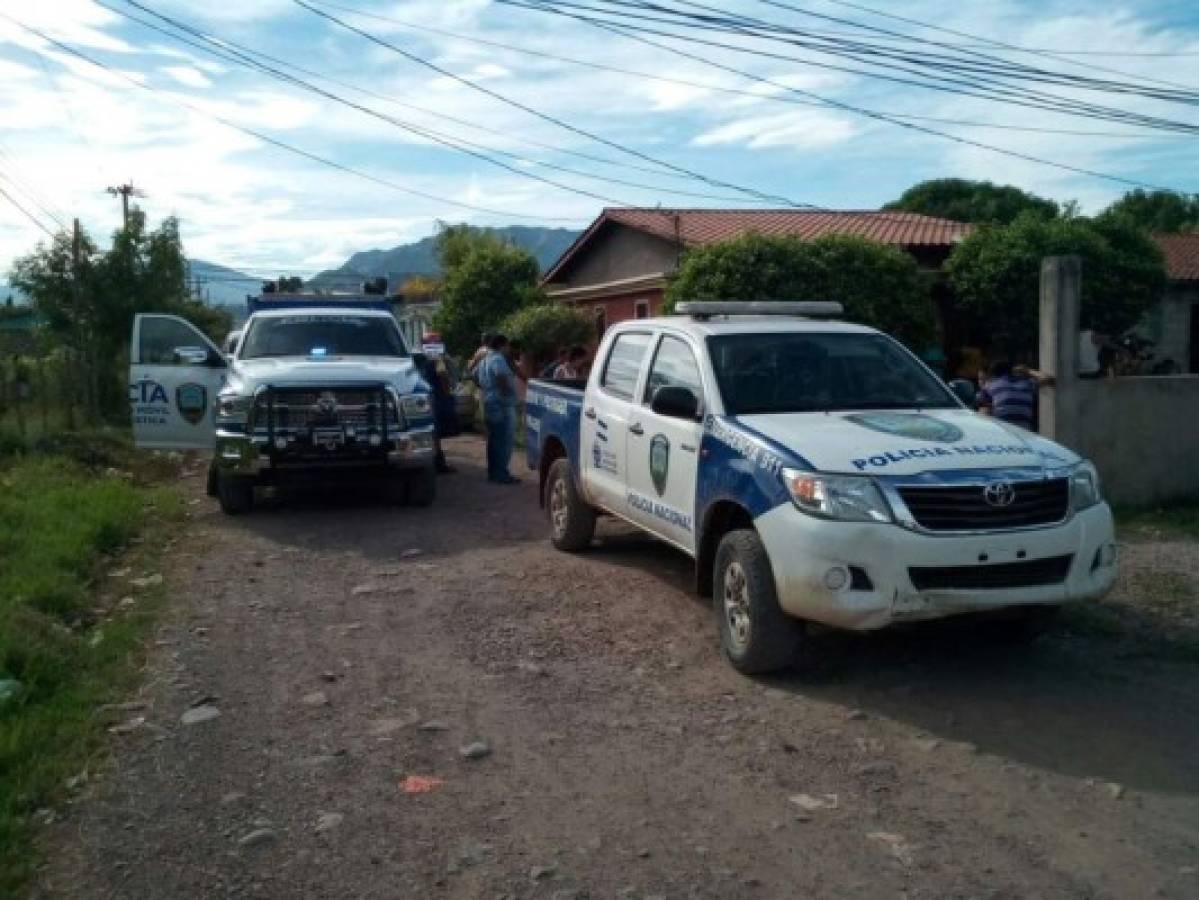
737 463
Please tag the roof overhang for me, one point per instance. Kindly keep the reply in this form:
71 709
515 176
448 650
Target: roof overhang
619 287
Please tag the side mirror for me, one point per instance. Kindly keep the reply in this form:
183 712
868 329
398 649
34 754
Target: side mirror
420 361
676 402
191 356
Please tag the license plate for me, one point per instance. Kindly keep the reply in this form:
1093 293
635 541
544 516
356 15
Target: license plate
328 438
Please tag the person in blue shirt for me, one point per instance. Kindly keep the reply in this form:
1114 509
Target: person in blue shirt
498 382
1010 394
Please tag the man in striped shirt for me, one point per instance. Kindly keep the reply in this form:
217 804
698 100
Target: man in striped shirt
1011 395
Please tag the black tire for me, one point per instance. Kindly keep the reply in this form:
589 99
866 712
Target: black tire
236 495
757 636
421 487
210 488
571 519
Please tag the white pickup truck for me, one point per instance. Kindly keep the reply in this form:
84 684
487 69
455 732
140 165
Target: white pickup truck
307 392
817 472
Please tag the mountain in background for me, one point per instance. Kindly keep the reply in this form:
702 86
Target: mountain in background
420 258
223 286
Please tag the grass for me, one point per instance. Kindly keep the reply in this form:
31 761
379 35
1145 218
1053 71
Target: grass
1181 521
61 525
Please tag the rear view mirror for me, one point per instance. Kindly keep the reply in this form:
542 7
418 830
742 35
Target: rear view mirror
676 402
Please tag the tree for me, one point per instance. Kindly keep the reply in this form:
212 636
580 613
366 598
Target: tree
289 284
485 279
1157 211
546 327
972 201
420 289
143 271
878 285
995 275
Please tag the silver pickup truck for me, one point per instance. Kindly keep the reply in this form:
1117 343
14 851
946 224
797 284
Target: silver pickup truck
319 392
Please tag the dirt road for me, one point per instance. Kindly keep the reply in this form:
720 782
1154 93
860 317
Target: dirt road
348 645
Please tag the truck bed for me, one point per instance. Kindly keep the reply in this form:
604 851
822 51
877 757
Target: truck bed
553 411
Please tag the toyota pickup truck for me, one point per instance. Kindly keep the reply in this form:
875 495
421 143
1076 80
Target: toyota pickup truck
307 392
817 472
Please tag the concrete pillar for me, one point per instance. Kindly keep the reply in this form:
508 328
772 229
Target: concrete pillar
1061 284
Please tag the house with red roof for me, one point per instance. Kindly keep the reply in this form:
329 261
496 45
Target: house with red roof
617 269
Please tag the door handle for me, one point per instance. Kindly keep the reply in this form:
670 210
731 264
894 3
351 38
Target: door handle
636 428
590 412
687 448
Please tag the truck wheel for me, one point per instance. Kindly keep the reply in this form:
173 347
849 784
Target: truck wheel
236 495
421 487
210 488
572 521
758 637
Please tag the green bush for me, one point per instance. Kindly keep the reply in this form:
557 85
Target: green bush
543 329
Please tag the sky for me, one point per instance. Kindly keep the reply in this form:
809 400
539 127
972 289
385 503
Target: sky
69 130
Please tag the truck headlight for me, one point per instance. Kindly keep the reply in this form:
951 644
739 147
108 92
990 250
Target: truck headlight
233 407
1084 487
415 406
848 498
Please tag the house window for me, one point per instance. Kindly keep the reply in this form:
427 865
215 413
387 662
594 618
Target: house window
601 321
640 309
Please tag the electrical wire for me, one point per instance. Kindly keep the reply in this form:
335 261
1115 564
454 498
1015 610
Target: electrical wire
666 79
250 58
275 142
30 216
630 34
516 104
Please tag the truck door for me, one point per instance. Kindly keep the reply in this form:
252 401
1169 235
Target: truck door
174 376
663 449
605 421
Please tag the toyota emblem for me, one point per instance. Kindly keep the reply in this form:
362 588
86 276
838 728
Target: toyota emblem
999 493
326 403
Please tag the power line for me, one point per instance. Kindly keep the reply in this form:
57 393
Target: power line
275 142
666 79
32 196
615 29
30 216
516 104
248 57
745 27
986 42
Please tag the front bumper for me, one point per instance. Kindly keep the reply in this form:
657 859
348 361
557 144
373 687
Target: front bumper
804 550
255 456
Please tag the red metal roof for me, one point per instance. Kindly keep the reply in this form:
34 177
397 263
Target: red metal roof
694 227
1182 255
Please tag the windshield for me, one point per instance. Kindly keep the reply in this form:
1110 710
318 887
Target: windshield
813 372
308 335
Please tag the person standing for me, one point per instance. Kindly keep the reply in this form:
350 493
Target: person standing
552 366
1010 394
498 383
573 366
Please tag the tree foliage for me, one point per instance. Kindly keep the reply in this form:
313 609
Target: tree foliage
484 280
420 289
995 275
972 201
546 327
143 271
1157 211
878 285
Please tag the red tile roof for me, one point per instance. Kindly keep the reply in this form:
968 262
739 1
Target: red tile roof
706 226
1182 255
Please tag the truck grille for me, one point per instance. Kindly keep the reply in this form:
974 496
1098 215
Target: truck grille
287 409
1033 573
966 508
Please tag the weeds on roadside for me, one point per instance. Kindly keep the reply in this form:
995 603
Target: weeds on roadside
61 523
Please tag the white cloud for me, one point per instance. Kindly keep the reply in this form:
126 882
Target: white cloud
188 76
799 130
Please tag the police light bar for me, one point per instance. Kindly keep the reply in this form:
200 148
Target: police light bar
704 309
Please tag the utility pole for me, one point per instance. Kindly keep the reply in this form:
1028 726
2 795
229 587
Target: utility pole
125 191
76 297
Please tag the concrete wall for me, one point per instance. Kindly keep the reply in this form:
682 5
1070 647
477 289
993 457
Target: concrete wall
617 252
1141 433
1143 436
1168 324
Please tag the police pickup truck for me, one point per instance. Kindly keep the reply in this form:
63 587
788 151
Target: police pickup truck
309 390
817 472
